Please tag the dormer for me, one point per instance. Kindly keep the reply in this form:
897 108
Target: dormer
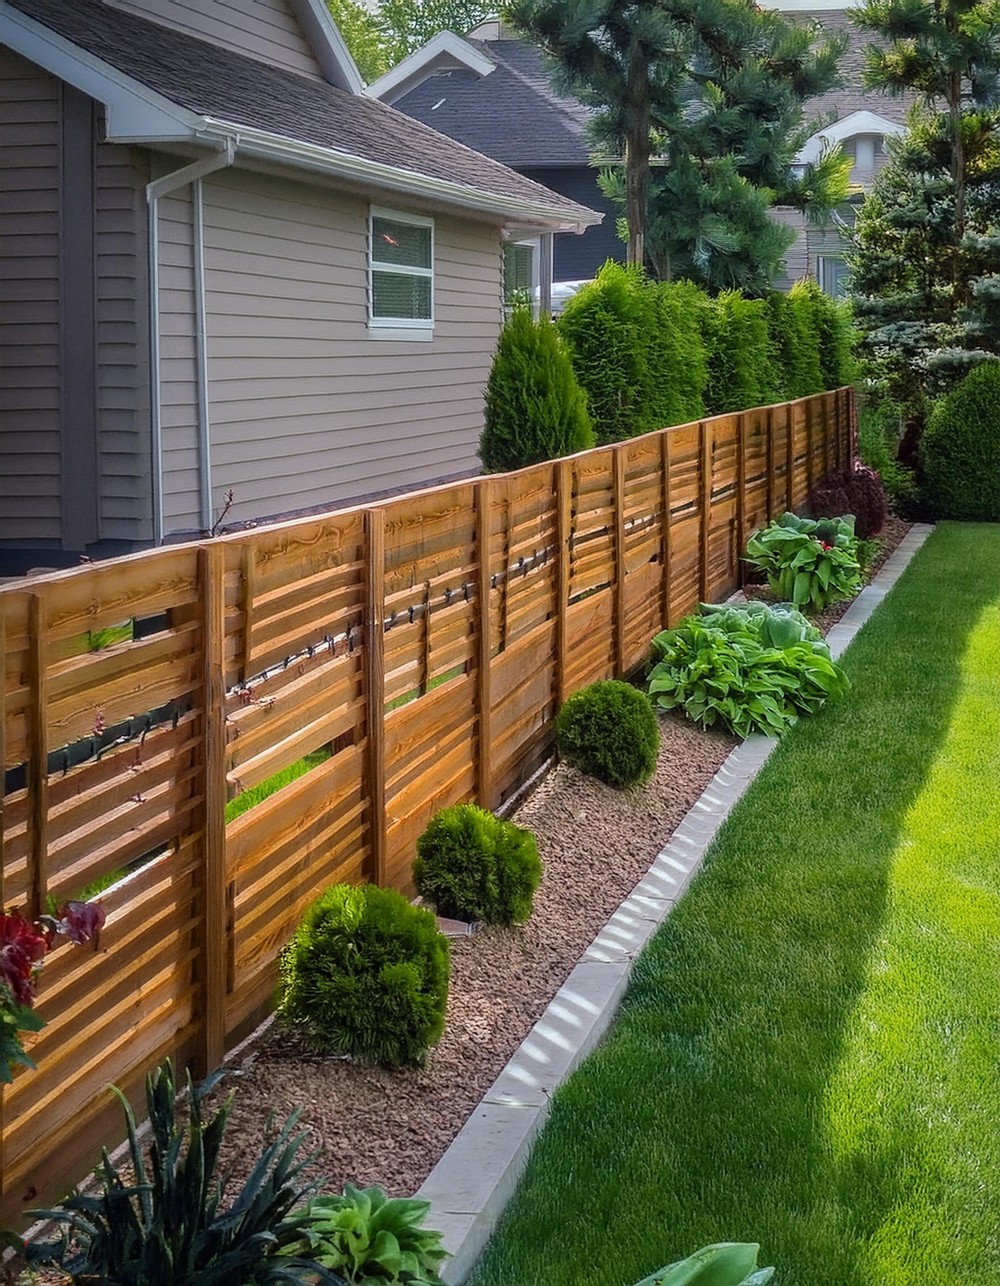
861 136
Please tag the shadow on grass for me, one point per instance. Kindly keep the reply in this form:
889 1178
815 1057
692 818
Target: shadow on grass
703 1117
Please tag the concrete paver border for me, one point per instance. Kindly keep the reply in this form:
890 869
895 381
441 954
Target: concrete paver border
472 1183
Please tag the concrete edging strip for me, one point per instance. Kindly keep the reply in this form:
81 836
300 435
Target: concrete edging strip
472 1183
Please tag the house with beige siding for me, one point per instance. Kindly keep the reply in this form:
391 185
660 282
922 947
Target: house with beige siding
224 269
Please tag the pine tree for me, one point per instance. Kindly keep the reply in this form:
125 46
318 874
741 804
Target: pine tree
923 296
713 90
948 53
624 58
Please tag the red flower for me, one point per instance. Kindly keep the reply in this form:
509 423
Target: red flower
22 948
825 545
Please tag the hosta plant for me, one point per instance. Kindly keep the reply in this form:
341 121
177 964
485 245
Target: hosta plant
750 667
367 1237
808 562
729 1263
163 1222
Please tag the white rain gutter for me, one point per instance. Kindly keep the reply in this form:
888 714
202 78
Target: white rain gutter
187 174
326 160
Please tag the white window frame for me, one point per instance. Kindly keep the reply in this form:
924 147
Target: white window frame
412 328
821 262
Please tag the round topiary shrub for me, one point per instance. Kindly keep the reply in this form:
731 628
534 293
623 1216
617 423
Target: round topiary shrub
960 449
473 866
609 730
366 974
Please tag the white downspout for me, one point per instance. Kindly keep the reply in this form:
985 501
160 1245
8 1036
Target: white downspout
192 173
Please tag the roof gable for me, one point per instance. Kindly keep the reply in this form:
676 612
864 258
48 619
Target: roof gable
514 115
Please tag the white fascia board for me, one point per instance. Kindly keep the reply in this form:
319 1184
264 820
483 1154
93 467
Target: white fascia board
325 160
327 44
445 46
850 127
134 112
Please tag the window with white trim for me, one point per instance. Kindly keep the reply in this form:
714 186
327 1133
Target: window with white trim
832 272
400 272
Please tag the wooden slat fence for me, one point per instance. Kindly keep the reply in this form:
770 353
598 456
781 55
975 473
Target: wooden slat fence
425 642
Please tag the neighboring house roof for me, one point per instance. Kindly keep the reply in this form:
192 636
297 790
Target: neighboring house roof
850 107
510 111
217 97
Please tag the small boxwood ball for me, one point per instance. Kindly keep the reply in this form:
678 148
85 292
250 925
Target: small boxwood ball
366 974
471 865
609 730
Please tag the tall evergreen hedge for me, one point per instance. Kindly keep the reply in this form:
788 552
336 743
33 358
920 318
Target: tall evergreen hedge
740 372
535 409
606 327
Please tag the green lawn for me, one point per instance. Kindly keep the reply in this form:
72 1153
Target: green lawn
809 1053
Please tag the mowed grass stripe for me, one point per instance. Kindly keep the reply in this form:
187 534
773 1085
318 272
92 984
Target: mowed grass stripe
808 1053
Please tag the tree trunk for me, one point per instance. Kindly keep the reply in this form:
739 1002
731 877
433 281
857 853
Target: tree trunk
637 155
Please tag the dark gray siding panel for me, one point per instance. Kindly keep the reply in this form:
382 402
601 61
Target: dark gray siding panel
30 160
122 344
578 257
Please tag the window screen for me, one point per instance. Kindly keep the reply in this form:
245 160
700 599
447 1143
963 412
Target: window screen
402 270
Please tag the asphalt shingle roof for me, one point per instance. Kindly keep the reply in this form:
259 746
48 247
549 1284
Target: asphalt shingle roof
216 82
512 114
851 96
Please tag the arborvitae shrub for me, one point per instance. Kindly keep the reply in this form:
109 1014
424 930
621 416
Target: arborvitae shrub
471 865
806 377
678 358
535 409
366 974
739 357
603 326
836 342
960 449
609 730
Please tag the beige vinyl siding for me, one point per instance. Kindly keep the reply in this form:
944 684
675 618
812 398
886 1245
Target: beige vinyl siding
306 408
178 368
262 29
797 257
122 344
30 159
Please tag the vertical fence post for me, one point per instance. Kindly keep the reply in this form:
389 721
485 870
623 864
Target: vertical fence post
741 494
375 686
852 408
215 945
706 507
666 550
564 535
618 471
38 755
484 691
790 456
772 463
248 574
810 410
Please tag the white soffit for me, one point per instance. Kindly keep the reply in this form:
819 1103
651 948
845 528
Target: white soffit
442 52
